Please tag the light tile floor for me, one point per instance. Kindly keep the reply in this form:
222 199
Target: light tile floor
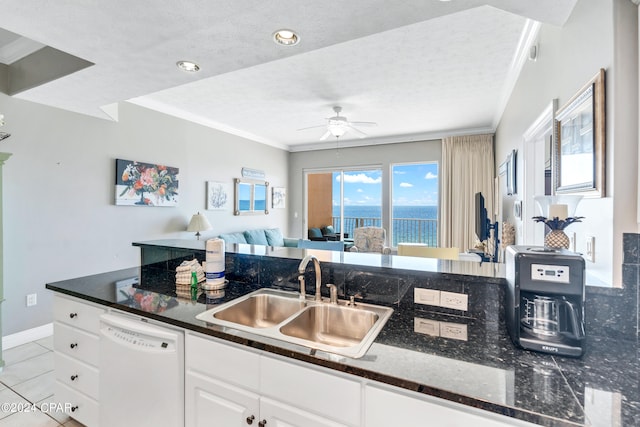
27 378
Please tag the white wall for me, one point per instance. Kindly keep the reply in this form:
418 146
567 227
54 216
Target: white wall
60 220
384 155
599 34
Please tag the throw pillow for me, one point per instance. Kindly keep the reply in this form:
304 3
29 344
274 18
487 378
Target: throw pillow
256 237
274 237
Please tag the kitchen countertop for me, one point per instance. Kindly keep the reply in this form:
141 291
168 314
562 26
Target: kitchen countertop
485 371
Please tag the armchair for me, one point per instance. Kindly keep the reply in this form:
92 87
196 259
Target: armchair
370 239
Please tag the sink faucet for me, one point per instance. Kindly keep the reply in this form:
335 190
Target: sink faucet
301 269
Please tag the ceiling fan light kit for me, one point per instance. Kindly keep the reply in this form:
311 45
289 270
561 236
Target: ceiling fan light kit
339 125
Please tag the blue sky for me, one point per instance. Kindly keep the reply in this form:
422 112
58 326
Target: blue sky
413 185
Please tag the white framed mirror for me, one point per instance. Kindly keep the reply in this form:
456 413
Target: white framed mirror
251 197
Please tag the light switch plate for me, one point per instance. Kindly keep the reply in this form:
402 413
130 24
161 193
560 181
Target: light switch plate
426 326
426 296
590 252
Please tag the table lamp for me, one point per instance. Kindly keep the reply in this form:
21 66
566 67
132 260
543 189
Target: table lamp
199 223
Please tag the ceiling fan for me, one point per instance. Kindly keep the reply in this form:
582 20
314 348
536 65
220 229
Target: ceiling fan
339 125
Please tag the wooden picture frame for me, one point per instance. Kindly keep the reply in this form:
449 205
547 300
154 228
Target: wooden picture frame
580 137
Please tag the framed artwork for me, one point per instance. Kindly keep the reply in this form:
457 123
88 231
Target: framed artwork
580 142
278 197
218 196
146 184
509 169
251 197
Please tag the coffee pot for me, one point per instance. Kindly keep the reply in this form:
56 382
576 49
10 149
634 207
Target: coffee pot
549 317
544 304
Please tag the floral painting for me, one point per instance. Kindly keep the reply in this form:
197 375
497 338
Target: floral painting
218 196
146 184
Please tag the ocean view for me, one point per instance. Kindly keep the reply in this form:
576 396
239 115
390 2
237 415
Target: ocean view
417 224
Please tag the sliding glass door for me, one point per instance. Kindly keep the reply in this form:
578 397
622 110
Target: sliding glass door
344 198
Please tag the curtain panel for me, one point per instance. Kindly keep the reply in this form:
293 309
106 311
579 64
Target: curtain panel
467 168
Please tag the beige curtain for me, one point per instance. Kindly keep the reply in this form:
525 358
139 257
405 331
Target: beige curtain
467 168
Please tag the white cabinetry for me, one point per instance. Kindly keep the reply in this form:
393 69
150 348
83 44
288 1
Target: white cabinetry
390 407
76 344
229 386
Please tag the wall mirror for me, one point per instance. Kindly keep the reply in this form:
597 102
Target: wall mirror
251 197
580 142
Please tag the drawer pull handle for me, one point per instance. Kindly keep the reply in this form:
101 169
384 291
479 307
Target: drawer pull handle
250 419
73 409
72 315
74 345
262 423
73 377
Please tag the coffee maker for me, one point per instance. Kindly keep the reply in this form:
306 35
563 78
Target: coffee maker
545 299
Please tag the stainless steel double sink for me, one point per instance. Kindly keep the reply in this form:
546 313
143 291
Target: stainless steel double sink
344 329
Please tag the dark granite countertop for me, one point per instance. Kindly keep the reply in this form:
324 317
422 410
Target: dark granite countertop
485 371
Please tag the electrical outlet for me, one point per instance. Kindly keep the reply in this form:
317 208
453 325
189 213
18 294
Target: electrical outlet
454 300
456 331
590 252
32 299
426 296
427 327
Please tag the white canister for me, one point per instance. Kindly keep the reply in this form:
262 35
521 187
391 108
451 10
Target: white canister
214 262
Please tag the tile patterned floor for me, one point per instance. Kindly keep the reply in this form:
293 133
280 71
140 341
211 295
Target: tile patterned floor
27 378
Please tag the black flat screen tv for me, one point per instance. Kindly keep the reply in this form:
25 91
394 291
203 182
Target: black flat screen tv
482 222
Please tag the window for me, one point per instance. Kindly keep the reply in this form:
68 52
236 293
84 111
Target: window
414 207
344 198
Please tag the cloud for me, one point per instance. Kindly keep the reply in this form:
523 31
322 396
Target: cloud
399 172
360 190
431 175
406 184
360 178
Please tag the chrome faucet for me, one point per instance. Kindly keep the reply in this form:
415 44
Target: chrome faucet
301 269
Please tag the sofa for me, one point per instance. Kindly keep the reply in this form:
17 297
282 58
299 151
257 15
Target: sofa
260 236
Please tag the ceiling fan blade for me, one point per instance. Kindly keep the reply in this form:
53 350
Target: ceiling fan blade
325 136
313 127
364 123
357 131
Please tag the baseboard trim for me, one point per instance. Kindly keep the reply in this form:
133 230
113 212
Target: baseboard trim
29 335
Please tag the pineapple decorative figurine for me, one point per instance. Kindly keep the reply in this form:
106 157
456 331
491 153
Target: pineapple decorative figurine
559 212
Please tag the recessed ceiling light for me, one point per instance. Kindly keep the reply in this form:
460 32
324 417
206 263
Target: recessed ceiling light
188 66
286 37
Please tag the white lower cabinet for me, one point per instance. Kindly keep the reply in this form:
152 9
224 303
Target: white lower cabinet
76 344
236 387
385 407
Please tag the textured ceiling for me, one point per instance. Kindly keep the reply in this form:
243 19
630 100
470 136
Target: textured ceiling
416 67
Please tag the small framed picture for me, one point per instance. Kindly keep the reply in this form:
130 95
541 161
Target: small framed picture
278 197
218 196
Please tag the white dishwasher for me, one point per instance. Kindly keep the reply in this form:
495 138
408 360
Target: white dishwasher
141 373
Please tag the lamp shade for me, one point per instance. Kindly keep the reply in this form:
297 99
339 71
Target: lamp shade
198 223
558 206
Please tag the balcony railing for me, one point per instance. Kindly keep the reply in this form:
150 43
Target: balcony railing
405 230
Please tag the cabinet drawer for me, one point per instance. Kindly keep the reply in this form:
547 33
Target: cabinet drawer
81 315
78 344
77 405
313 390
222 361
77 375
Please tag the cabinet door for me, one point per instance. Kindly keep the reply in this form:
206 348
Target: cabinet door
277 414
209 402
384 408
